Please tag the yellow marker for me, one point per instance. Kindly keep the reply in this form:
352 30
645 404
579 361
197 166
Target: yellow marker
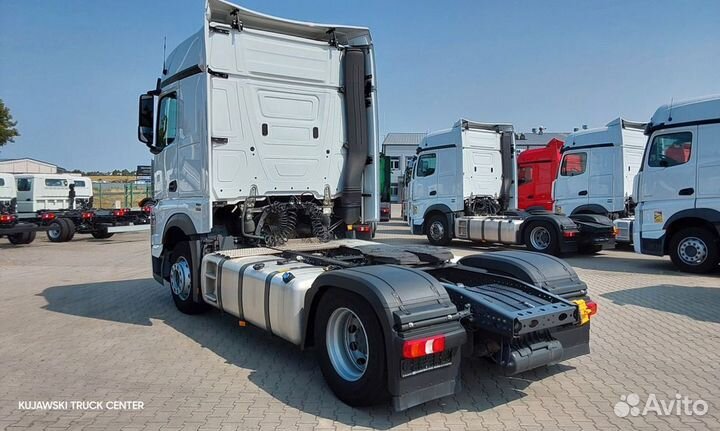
242 323
584 311
658 217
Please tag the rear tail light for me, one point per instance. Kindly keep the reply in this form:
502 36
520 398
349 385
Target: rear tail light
363 228
47 216
424 346
7 218
570 233
87 216
147 209
592 307
119 213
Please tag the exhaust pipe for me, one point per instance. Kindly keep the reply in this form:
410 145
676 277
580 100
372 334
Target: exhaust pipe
356 128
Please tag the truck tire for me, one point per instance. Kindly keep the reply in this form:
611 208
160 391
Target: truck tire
101 233
437 230
59 230
181 280
542 237
70 232
22 238
590 249
694 250
351 349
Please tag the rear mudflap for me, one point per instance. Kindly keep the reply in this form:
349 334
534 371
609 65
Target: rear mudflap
416 381
595 229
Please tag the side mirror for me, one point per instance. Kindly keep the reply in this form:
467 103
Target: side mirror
146 118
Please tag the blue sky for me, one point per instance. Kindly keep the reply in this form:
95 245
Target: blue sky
71 71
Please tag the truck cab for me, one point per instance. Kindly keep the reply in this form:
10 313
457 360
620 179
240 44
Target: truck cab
40 192
678 209
597 169
8 194
537 169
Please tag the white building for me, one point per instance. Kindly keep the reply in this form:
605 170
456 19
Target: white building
399 147
27 166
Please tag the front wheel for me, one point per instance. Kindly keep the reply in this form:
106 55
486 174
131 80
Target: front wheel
181 279
694 250
21 238
542 238
437 230
351 349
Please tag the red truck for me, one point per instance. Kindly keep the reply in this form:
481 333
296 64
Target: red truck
537 169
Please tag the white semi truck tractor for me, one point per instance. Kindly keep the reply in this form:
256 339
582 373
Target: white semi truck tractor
265 138
678 186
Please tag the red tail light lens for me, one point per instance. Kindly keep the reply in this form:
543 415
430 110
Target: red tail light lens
570 233
87 215
592 307
7 218
424 346
47 216
119 213
147 209
362 228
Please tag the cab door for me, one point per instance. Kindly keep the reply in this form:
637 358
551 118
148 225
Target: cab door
424 184
572 185
601 178
165 176
668 183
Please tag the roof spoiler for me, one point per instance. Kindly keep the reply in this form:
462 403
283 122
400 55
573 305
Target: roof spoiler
495 127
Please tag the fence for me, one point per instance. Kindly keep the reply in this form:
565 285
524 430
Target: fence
119 195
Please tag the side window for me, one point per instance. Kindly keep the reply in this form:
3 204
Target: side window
670 150
426 165
2 182
79 183
573 164
55 182
525 175
24 184
167 120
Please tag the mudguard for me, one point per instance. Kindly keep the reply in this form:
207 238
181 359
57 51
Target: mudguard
541 270
409 304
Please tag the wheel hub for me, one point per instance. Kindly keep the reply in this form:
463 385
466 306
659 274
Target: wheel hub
347 344
54 233
693 251
437 231
180 278
540 238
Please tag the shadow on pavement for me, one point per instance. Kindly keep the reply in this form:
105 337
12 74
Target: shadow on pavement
277 367
699 303
617 262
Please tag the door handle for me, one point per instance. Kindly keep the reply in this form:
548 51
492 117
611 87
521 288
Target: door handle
433 193
173 186
687 192
582 193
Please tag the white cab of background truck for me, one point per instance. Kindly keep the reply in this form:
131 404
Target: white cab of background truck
8 191
678 186
598 167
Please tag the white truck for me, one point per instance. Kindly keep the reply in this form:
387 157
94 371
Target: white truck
265 138
597 171
678 186
464 186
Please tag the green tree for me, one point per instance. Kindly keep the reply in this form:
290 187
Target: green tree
8 132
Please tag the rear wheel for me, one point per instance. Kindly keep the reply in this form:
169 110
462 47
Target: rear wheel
590 249
694 250
101 233
60 230
437 230
351 349
181 279
70 232
22 238
542 238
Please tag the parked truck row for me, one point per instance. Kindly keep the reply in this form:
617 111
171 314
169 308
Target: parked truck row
265 136
61 206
